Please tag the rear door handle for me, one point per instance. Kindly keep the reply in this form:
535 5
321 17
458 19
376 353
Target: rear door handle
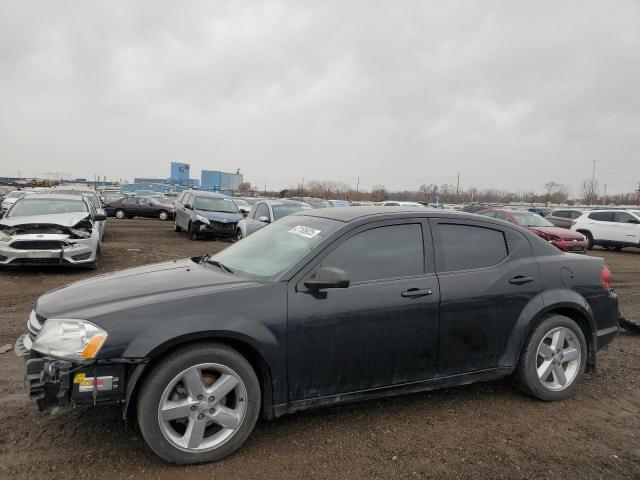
521 280
416 292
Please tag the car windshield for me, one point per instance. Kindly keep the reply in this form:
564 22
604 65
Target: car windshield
15 195
215 204
45 206
528 219
275 248
241 203
283 210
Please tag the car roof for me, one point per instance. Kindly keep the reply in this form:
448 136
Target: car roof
202 193
56 196
348 214
284 201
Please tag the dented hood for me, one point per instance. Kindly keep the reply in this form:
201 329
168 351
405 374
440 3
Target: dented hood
61 219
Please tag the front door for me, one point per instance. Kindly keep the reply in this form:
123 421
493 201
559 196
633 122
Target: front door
487 276
625 231
380 331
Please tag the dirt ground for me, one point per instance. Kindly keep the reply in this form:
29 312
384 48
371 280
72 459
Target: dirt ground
485 430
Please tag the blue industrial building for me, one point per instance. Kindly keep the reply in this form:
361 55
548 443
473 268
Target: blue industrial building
222 182
180 172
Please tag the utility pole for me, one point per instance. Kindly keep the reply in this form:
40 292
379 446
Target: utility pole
638 194
458 187
592 191
604 197
265 189
358 186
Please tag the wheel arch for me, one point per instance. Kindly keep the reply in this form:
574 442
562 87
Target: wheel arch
244 347
559 302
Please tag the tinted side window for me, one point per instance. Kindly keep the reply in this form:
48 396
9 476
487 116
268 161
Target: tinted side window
602 216
575 214
623 217
380 253
503 216
561 214
465 247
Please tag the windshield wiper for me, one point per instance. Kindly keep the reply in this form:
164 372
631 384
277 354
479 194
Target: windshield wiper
221 266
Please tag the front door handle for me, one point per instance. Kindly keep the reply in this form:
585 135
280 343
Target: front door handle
416 292
521 280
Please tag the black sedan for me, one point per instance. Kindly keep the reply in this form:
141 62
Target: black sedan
320 307
149 207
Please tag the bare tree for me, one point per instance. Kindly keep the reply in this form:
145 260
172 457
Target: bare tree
590 191
244 187
378 193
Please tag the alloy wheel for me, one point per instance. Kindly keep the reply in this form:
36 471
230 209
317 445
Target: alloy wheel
202 407
558 359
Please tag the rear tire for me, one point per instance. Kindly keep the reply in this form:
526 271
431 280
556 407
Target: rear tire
120 215
163 215
553 359
164 388
176 227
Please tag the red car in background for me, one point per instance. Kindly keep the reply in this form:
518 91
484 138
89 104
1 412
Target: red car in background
565 240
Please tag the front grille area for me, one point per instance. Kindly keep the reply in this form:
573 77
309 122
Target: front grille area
223 226
36 261
37 245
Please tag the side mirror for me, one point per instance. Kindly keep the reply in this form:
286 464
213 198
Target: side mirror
99 217
188 206
634 220
328 277
264 219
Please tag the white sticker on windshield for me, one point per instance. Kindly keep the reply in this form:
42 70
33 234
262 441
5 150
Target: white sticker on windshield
307 232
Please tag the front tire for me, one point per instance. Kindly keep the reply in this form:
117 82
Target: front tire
238 234
199 404
163 215
120 215
192 231
553 360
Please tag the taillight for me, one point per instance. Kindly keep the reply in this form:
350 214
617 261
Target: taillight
605 276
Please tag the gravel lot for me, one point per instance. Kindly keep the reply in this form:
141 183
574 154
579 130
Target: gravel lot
484 430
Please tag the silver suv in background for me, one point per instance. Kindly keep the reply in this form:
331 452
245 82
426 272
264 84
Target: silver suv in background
11 198
563 217
612 229
266 212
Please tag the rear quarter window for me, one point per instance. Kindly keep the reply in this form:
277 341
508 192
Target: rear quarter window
468 247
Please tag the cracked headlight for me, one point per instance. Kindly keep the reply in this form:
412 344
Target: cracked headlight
70 339
200 218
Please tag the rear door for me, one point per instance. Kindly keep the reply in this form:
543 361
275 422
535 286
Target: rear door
380 331
487 276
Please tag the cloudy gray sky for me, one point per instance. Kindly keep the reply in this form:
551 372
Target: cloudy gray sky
508 94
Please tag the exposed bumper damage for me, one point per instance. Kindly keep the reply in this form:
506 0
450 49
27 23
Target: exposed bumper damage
217 229
55 383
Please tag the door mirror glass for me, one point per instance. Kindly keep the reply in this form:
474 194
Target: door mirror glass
328 277
188 206
99 217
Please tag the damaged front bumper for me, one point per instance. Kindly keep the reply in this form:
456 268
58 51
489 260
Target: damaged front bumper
52 382
48 249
